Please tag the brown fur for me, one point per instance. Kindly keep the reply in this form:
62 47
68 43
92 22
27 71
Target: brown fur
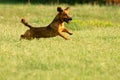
56 27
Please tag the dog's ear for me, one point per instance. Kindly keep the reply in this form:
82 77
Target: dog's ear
59 9
67 8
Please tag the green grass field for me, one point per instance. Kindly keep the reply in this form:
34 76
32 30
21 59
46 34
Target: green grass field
93 53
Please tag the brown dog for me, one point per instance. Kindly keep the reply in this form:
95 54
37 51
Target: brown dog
56 27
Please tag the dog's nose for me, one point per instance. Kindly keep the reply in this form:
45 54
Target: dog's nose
70 18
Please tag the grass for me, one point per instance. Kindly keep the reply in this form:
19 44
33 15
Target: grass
93 53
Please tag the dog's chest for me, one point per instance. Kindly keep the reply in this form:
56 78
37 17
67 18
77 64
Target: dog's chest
57 26
61 26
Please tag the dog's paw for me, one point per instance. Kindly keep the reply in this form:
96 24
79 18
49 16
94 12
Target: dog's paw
71 33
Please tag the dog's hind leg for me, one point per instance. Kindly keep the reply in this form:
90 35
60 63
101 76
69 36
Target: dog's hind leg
22 37
28 35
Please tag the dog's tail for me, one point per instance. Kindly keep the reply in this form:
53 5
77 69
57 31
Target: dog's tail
25 23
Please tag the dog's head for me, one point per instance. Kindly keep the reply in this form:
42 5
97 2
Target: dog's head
63 14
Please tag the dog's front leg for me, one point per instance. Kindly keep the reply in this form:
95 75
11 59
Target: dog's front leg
60 34
67 31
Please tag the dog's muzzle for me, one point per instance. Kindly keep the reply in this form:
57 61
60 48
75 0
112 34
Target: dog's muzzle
67 20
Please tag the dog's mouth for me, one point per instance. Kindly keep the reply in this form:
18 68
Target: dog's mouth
67 20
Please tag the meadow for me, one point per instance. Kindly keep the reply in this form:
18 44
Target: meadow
93 53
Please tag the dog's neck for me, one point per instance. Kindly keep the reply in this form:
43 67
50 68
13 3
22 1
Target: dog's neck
57 19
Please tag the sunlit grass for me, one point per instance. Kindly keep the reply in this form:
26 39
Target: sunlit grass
91 54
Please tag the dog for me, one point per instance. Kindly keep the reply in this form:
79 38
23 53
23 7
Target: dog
55 28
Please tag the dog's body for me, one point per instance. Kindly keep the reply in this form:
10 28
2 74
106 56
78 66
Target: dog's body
56 27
